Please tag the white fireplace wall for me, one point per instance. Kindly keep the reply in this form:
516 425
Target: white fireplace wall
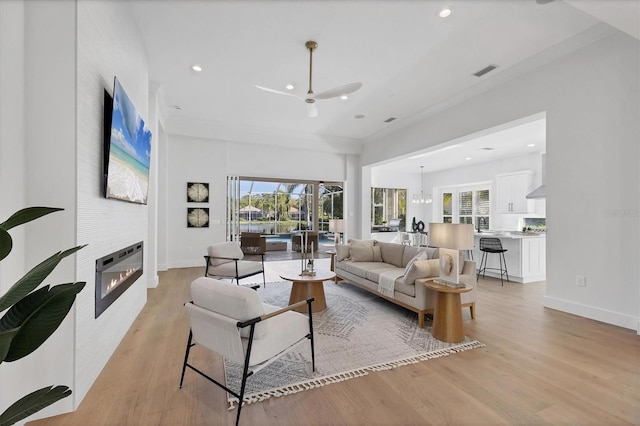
108 46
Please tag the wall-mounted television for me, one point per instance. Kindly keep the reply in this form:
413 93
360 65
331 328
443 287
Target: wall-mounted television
127 149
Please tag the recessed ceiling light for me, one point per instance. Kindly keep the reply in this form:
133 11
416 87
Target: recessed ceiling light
531 145
359 116
196 68
468 158
289 87
445 12
488 148
344 97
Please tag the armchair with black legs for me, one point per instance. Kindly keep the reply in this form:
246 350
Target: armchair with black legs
226 260
232 321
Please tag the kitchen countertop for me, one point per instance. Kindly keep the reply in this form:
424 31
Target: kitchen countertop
511 235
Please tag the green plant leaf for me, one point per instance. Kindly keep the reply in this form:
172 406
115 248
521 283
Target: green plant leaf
37 316
33 278
32 403
6 243
27 215
5 341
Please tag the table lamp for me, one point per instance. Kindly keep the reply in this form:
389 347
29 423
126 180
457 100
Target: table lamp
450 237
337 226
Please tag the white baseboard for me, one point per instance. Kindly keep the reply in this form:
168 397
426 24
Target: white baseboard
153 282
591 312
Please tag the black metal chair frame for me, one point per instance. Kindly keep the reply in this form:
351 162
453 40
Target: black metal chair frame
492 245
238 277
246 372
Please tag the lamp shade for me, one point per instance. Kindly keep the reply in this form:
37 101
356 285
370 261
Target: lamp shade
458 236
336 225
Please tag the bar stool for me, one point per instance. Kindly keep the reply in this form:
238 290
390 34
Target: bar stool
492 245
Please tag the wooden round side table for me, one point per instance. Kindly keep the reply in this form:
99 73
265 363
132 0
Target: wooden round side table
447 315
304 287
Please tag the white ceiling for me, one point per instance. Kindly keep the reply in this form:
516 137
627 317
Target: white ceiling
408 59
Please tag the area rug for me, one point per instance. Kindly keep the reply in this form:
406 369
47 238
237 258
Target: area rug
357 333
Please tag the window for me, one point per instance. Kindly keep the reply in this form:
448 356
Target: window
473 208
387 204
447 207
467 205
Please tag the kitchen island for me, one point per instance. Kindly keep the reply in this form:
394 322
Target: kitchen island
525 256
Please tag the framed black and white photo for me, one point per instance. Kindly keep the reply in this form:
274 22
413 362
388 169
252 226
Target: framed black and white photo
197 217
197 192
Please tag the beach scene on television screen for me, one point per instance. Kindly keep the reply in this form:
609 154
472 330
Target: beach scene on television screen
129 152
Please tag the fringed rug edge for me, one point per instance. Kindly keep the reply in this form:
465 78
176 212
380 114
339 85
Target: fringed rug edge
347 375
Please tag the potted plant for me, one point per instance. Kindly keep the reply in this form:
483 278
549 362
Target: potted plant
32 315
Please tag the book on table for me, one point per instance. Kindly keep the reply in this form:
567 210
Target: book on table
449 283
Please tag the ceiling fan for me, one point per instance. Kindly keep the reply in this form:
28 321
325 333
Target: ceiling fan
310 99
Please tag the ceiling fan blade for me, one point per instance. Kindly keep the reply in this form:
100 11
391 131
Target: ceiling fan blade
312 110
278 92
338 91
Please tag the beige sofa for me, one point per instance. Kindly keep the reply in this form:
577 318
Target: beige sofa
398 273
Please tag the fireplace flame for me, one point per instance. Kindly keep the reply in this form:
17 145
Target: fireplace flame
123 276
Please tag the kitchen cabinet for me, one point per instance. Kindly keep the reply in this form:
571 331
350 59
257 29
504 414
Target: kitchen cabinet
511 192
525 256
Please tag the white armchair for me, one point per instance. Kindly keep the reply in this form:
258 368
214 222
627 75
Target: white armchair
233 322
225 260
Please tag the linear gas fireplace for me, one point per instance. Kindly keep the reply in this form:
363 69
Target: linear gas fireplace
115 273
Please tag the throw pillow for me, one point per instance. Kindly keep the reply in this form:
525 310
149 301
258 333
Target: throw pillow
362 253
368 243
421 269
377 254
422 255
342 252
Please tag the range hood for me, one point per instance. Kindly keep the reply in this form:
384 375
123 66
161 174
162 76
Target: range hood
541 191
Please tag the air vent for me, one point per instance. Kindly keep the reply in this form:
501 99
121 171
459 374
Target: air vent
389 120
485 70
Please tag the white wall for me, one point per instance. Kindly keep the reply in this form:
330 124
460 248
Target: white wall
591 102
60 58
204 160
108 46
41 153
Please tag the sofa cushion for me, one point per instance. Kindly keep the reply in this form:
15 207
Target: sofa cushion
374 274
392 253
359 268
362 253
343 251
421 255
410 252
401 287
424 268
433 252
361 242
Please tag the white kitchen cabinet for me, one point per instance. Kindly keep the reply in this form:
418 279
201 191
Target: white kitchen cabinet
534 257
525 257
511 192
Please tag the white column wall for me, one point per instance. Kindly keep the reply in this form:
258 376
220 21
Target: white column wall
108 45
591 102
12 162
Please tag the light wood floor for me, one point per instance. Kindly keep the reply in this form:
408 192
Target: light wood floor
539 366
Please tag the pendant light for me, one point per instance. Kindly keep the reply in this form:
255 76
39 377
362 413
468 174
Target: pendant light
421 199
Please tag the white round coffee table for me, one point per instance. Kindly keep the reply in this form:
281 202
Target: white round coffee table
306 286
